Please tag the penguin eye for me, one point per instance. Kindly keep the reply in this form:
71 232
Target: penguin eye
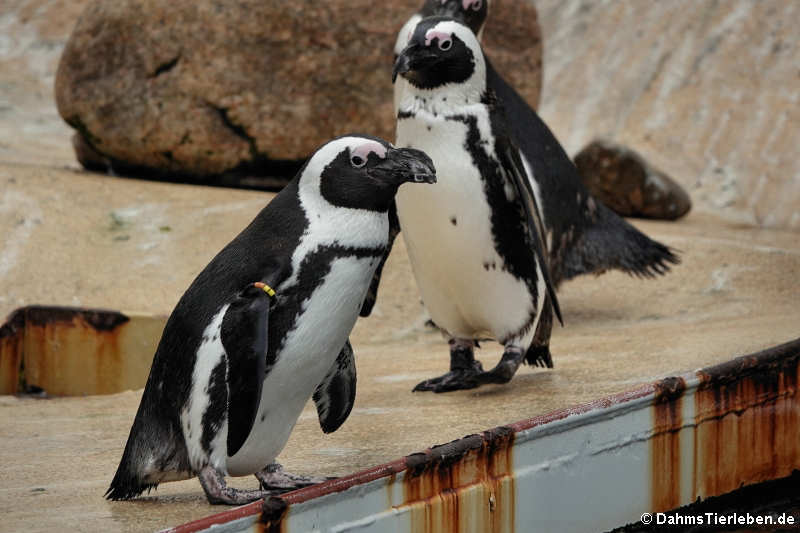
476 5
445 44
358 161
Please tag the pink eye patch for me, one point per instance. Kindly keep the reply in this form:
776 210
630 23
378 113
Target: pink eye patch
363 150
433 34
467 4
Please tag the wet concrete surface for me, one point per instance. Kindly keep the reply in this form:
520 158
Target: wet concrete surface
73 238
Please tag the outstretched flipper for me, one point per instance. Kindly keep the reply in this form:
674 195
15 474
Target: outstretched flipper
587 238
612 243
336 393
372 293
244 337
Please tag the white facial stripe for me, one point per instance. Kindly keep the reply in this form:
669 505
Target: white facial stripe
440 100
448 28
367 148
432 34
365 228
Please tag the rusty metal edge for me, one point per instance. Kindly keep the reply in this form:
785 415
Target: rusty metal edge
660 391
101 319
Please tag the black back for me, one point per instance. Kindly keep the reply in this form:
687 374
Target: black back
586 235
273 236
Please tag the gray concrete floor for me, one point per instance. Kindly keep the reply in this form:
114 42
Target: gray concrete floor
73 238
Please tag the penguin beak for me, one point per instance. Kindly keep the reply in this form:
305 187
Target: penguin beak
413 58
403 165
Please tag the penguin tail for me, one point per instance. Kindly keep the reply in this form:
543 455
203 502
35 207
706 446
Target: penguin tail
613 243
154 453
539 356
130 479
127 483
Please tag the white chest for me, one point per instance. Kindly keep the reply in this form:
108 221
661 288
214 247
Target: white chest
448 232
309 351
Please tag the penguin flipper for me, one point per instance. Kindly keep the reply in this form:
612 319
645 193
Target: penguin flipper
508 155
336 393
612 243
372 293
244 337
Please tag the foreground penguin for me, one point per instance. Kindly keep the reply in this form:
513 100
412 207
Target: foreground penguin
265 326
583 235
475 240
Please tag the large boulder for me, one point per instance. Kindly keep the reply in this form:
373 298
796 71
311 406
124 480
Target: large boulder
628 184
200 88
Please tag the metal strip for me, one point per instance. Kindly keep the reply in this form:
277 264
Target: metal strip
654 448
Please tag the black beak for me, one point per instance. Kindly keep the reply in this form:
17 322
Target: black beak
413 57
401 65
405 165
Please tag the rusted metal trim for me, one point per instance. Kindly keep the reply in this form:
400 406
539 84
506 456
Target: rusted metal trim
220 518
666 395
290 498
75 351
11 353
99 319
642 392
769 361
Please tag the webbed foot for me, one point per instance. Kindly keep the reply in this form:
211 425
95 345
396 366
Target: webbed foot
506 368
275 478
464 370
218 492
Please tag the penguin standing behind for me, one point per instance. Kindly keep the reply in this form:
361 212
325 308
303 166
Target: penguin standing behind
475 240
265 326
583 235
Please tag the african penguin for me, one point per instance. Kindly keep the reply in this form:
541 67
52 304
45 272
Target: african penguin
265 326
472 13
583 235
475 240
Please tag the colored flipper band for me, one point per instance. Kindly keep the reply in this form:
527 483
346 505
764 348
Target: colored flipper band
266 288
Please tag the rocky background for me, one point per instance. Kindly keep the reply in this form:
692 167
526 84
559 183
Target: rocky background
194 88
705 90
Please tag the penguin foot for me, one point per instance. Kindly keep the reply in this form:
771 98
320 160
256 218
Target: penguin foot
506 368
464 370
274 478
461 379
218 492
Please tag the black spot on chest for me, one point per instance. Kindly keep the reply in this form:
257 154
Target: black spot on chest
508 219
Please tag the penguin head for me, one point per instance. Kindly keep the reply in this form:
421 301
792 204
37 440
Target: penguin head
442 51
364 172
471 13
